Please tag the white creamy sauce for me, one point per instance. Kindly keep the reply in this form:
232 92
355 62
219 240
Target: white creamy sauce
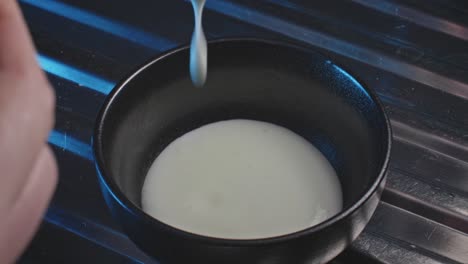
241 179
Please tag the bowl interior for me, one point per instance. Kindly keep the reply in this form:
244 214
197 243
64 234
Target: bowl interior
292 87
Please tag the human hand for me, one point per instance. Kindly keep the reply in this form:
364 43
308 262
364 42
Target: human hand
28 171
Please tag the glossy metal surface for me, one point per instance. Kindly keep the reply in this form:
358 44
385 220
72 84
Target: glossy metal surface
413 53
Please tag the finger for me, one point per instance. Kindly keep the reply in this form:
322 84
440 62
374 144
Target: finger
17 52
26 213
26 102
26 118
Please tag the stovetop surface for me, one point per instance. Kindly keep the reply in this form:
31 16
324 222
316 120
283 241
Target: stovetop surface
413 53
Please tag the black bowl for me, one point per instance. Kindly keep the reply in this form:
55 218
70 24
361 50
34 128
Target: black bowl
251 79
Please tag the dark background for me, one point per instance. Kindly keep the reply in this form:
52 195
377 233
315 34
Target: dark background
414 53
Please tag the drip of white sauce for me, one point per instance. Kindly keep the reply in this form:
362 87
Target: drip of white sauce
198 47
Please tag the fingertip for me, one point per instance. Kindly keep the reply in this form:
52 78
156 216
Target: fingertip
21 222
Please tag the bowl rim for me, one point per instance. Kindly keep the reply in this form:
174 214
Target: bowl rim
113 189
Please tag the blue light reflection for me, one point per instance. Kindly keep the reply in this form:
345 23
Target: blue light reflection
66 142
75 75
107 25
352 79
96 233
